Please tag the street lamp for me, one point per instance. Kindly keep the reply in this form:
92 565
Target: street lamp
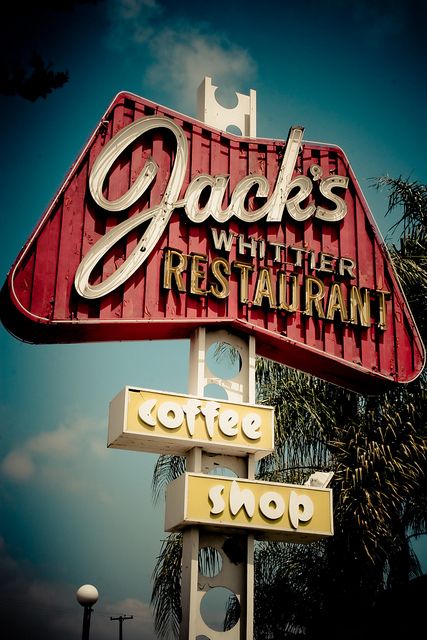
87 595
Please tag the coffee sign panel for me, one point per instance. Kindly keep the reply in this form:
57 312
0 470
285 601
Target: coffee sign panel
160 422
165 224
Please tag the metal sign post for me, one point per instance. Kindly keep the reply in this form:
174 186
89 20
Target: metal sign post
237 573
237 576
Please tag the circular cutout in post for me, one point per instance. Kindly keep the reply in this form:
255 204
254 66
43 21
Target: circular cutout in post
223 360
213 390
222 471
210 562
220 609
234 129
226 97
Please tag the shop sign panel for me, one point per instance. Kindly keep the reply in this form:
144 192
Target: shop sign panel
269 510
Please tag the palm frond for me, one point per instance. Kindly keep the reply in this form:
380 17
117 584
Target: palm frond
166 594
411 198
167 468
210 562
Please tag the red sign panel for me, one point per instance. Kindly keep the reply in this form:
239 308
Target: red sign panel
165 224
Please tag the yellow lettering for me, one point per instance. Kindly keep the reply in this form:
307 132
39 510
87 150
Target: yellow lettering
174 271
220 270
288 303
359 307
314 297
336 303
197 274
244 280
382 310
264 289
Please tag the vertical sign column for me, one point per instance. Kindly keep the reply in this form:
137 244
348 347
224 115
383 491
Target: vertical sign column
236 551
236 573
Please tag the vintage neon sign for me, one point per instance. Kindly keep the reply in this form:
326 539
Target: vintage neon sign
165 224
158 216
270 510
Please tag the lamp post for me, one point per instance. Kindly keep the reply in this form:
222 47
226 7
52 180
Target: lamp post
87 595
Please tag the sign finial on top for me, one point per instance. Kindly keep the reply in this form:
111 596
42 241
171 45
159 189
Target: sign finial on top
243 115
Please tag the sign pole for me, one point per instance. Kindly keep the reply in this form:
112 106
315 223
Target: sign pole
237 552
241 575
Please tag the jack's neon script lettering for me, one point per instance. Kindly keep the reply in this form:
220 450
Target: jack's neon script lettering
288 192
271 504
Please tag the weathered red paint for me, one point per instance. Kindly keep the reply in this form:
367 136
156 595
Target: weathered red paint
41 305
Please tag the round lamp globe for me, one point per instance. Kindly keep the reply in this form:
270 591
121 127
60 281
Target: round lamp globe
87 595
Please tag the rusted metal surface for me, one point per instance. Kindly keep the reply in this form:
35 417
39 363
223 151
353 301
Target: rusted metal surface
40 303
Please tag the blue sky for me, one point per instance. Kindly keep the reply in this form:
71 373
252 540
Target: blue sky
352 73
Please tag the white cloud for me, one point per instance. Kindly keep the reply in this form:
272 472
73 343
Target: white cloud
18 465
132 9
176 54
63 441
184 56
130 22
54 456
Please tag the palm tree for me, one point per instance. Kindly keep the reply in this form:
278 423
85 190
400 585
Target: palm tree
376 448
377 453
